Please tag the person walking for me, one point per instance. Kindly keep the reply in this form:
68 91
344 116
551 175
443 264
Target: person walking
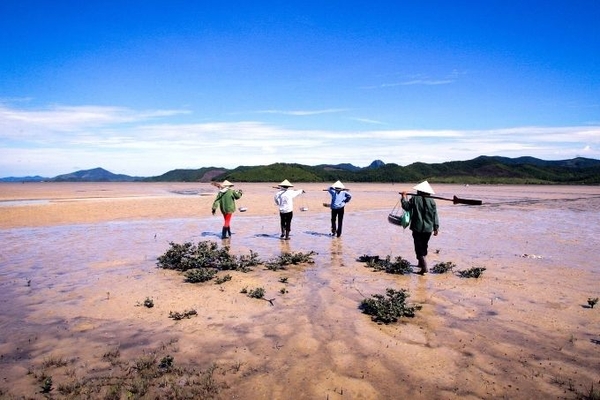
225 201
424 220
284 199
339 198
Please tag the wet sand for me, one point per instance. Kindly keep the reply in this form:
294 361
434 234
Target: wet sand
78 259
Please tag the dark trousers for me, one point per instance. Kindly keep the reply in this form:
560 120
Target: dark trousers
421 240
337 214
285 220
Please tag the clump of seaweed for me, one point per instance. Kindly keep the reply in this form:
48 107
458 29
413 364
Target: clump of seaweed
206 254
399 266
367 258
245 262
54 362
222 279
592 301
474 272
112 356
148 303
199 275
166 362
388 308
442 267
177 316
257 293
287 258
47 385
180 257
151 375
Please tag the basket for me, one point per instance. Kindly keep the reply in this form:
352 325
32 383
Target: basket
395 219
400 220
403 219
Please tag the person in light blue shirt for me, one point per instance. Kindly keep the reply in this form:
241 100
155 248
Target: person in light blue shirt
339 197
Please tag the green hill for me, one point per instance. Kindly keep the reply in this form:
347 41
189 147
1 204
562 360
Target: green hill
483 170
188 175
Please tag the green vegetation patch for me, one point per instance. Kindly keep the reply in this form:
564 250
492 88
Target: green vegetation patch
155 374
474 272
287 258
390 307
399 266
442 267
202 262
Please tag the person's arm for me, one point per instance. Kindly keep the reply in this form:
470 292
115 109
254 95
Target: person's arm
216 203
277 198
405 202
348 197
436 222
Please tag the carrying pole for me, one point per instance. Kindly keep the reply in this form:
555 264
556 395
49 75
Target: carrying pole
454 200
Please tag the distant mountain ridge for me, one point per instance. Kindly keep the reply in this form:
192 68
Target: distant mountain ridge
94 175
483 169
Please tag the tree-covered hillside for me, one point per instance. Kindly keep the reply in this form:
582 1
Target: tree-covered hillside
492 170
483 170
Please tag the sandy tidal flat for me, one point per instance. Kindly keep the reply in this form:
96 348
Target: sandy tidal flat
78 260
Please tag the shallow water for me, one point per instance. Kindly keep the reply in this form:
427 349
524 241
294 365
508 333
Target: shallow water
74 291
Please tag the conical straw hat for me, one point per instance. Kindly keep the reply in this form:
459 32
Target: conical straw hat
338 185
286 183
424 187
226 183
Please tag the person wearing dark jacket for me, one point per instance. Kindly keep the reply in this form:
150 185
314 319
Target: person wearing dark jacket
424 220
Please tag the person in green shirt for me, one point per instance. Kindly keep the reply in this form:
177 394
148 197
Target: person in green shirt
424 220
225 201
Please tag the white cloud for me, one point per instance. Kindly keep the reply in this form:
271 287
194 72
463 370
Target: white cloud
52 141
67 119
302 112
418 80
368 121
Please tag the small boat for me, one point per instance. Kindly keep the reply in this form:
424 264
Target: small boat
243 209
303 208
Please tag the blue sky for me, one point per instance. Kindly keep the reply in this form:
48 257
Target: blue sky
144 87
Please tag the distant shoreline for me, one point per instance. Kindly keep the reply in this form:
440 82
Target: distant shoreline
480 170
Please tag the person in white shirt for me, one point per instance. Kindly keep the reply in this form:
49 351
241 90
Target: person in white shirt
284 199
